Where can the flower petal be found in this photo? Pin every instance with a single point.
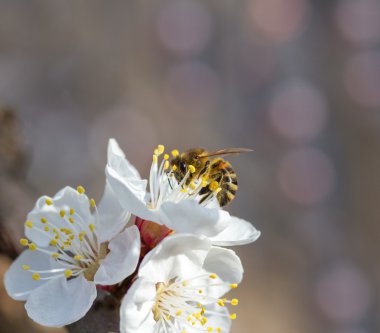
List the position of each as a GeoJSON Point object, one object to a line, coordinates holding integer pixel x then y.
{"type": "Point", "coordinates": [60, 302]}
{"type": "Point", "coordinates": [226, 265]}
{"type": "Point", "coordinates": [18, 282]}
{"type": "Point", "coordinates": [117, 161]}
{"type": "Point", "coordinates": [112, 217]}
{"type": "Point", "coordinates": [238, 232]}
{"type": "Point", "coordinates": [49, 215]}
{"type": "Point", "coordinates": [136, 308]}
{"type": "Point", "coordinates": [180, 255]}
{"type": "Point", "coordinates": [189, 217]}
{"type": "Point", "coordinates": [131, 193]}
{"type": "Point", "coordinates": [122, 259]}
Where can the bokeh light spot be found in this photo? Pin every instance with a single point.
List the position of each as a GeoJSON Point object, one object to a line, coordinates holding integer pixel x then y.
{"type": "Point", "coordinates": [298, 111]}
{"type": "Point", "coordinates": [306, 176]}
{"type": "Point", "coordinates": [184, 27]}
{"type": "Point", "coordinates": [343, 294]}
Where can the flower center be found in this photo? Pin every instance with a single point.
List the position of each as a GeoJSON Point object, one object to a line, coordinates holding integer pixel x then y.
{"type": "Point", "coordinates": [181, 304]}
{"type": "Point", "coordinates": [73, 244]}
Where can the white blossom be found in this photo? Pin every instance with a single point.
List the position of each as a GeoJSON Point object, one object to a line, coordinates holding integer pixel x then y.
{"type": "Point", "coordinates": [171, 203]}
{"type": "Point", "coordinates": [180, 288]}
{"type": "Point", "coordinates": [72, 247]}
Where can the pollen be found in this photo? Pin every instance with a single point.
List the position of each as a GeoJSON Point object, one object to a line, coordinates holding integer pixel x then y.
{"type": "Point", "coordinates": [209, 329]}
{"type": "Point", "coordinates": [92, 203]}
{"type": "Point", "coordinates": [166, 156]}
{"type": "Point", "coordinates": [49, 202]}
{"type": "Point", "coordinates": [53, 242]}
{"type": "Point", "coordinates": [25, 267]}
{"type": "Point", "coordinates": [233, 285]}
{"type": "Point", "coordinates": [91, 227]}
{"type": "Point", "coordinates": [29, 224]}
{"type": "Point", "coordinates": [213, 276]}
{"type": "Point", "coordinates": [62, 213]}
{"type": "Point", "coordinates": [36, 276]}
{"type": "Point", "coordinates": [43, 220]}
{"type": "Point", "coordinates": [68, 273]}
{"type": "Point", "coordinates": [220, 302]}
{"type": "Point", "coordinates": [235, 301]}
{"type": "Point", "coordinates": [155, 159]}
{"type": "Point", "coordinates": [55, 255]}
{"type": "Point", "coordinates": [174, 167]}
{"type": "Point", "coordinates": [204, 183]}
{"type": "Point", "coordinates": [218, 190]}
{"type": "Point", "coordinates": [81, 189]}
{"type": "Point", "coordinates": [78, 257]}
{"type": "Point", "coordinates": [161, 149]}
{"type": "Point", "coordinates": [233, 316]}
{"type": "Point", "coordinates": [46, 228]}
{"type": "Point", "coordinates": [72, 211]}
{"type": "Point", "coordinates": [214, 185]}
{"type": "Point", "coordinates": [219, 329]}
{"type": "Point", "coordinates": [32, 247]}
{"type": "Point", "coordinates": [192, 168]}
{"type": "Point", "coordinates": [178, 313]}
{"type": "Point", "coordinates": [71, 220]}
{"type": "Point", "coordinates": [24, 242]}
{"type": "Point", "coordinates": [166, 165]}
{"type": "Point", "coordinates": [175, 153]}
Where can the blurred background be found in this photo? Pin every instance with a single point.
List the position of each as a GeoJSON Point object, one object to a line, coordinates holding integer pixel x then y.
{"type": "Point", "coordinates": [296, 80]}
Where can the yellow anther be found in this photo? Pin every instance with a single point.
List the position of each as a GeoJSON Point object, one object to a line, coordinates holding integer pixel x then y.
{"type": "Point", "coordinates": [183, 331]}
{"type": "Point", "coordinates": [155, 159]}
{"type": "Point", "coordinates": [53, 242]}
{"type": "Point", "coordinates": [209, 329]}
{"type": "Point", "coordinates": [67, 243]}
{"type": "Point", "coordinates": [235, 301]}
{"type": "Point", "coordinates": [81, 189]}
{"type": "Point", "coordinates": [213, 276]}
{"type": "Point", "coordinates": [68, 273]}
{"type": "Point", "coordinates": [233, 316]}
{"type": "Point", "coordinates": [233, 285]}
{"type": "Point", "coordinates": [200, 291]}
{"type": "Point", "coordinates": [55, 255]}
{"type": "Point", "coordinates": [91, 227]}
{"type": "Point", "coordinates": [49, 202]}
{"type": "Point", "coordinates": [62, 213]}
{"type": "Point", "coordinates": [219, 329]}
{"type": "Point", "coordinates": [189, 318]}
{"type": "Point", "coordinates": [92, 203]}
{"type": "Point", "coordinates": [192, 186]}
{"type": "Point", "coordinates": [36, 276]}
{"type": "Point", "coordinates": [220, 302]}
{"type": "Point", "coordinates": [81, 235]}
{"type": "Point", "coordinates": [175, 153]}
{"type": "Point", "coordinates": [192, 168]}
{"type": "Point", "coordinates": [78, 257]}
{"type": "Point", "coordinates": [32, 247]}
{"type": "Point", "coordinates": [168, 317]}
{"type": "Point", "coordinates": [72, 211]}
{"type": "Point", "coordinates": [25, 267]}
{"type": "Point", "coordinates": [204, 183]}
{"type": "Point", "coordinates": [183, 190]}
{"type": "Point", "coordinates": [193, 323]}
{"type": "Point", "coordinates": [174, 167]}
{"type": "Point", "coordinates": [184, 283]}
{"type": "Point", "coordinates": [71, 220]}
{"type": "Point", "coordinates": [156, 152]}
{"type": "Point", "coordinates": [43, 220]}
{"type": "Point", "coordinates": [166, 156]}
{"type": "Point", "coordinates": [178, 313]}
{"type": "Point", "coordinates": [161, 149]}
{"type": "Point", "coordinates": [29, 224]}
{"type": "Point", "coordinates": [72, 237]}
{"type": "Point", "coordinates": [214, 185]}
{"type": "Point", "coordinates": [199, 305]}
{"type": "Point", "coordinates": [166, 165]}
{"type": "Point", "coordinates": [24, 242]}
{"type": "Point", "coordinates": [46, 228]}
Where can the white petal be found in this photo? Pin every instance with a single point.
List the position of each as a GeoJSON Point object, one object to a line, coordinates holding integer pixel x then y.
{"type": "Point", "coordinates": [189, 217]}
{"type": "Point", "coordinates": [18, 282]}
{"type": "Point", "coordinates": [136, 308]}
{"type": "Point", "coordinates": [66, 199]}
{"type": "Point", "coordinates": [122, 259]}
{"type": "Point", "coordinates": [60, 302]}
{"type": "Point", "coordinates": [238, 232]}
{"type": "Point", "coordinates": [179, 255]}
{"type": "Point", "coordinates": [117, 161]}
{"type": "Point", "coordinates": [112, 217]}
{"type": "Point", "coordinates": [131, 194]}
{"type": "Point", "coordinates": [227, 265]}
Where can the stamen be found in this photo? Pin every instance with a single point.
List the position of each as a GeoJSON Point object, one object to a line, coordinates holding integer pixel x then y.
{"type": "Point", "coordinates": [62, 213]}
{"type": "Point", "coordinates": [81, 189]}
{"type": "Point", "coordinates": [43, 220]}
{"type": "Point", "coordinates": [161, 149]}
{"type": "Point", "coordinates": [192, 168]}
{"type": "Point", "coordinates": [175, 153]}
{"type": "Point", "coordinates": [25, 267]}
{"type": "Point", "coordinates": [29, 224]}
{"type": "Point", "coordinates": [36, 276]}
{"type": "Point", "coordinates": [49, 202]}
{"type": "Point", "coordinates": [24, 242]}
{"type": "Point", "coordinates": [92, 203]}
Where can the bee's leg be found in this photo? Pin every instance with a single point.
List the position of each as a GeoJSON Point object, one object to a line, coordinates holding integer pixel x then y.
{"type": "Point", "coordinates": [204, 170]}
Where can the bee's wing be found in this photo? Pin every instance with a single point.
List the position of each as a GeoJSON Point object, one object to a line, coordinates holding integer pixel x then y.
{"type": "Point", "coordinates": [228, 151]}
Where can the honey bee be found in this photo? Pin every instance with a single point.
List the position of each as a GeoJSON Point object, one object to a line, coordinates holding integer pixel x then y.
{"type": "Point", "coordinates": [217, 172]}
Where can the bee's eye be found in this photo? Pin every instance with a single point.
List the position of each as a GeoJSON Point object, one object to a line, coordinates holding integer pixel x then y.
{"type": "Point", "coordinates": [182, 166]}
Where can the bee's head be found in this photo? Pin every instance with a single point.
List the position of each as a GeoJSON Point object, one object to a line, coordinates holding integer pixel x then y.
{"type": "Point", "coordinates": [179, 167]}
